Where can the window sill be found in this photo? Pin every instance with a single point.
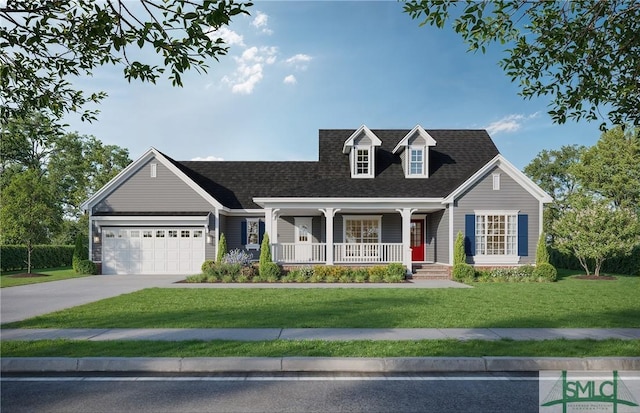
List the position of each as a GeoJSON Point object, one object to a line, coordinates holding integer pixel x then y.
{"type": "Point", "coordinates": [250, 247]}
{"type": "Point", "coordinates": [496, 259]}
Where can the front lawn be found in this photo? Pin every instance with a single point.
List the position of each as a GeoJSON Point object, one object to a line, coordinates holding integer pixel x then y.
{"type": "Point", "coordinates": [316, 348]}
{"type": "Point", "coordinates": [52, 274]}
{"type": "Point", "coordinates": [567, 303]}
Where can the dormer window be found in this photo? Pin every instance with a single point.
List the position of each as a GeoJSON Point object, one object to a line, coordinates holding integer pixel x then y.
{"type": "Point", "coordinates": [361, 147]}
{"type": "Point", "coordinates": [416, 161]}
{"type": "Point", "coordinates": [362, 159]}
{"type": "Point", "coordinates": [414, 152]}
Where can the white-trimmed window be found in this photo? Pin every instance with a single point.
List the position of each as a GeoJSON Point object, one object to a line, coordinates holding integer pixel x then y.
{"type": "Point", "coordinates": [496, 182]}
{"type": "Point", "coordinates": [362, 162]}
{"type": "Point", "coordinates": [253, 232]}
{"type": "Point", "coordinates": [362, 234]}
{"type": "Point", "coordinates": [496, 234]}
{"type": "Point", "coordinates": [416, 162]}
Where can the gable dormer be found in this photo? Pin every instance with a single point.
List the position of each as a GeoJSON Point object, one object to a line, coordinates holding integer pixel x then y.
{"type": "Point", "coordinates": [361, 147]}
{"type": "Point", "coordinates": [414, 152]}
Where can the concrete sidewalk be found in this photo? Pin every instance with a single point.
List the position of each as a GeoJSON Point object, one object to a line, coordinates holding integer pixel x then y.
{"type": "Point", "coordinates": [329, 334]}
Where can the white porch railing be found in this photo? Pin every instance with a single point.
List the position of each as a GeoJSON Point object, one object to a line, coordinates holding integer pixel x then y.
{"type": "Point", "coordinates": [299, 253]}
{"type": "Point", "coordinates": [366, 253]}
{"type": "Point", "coordinates": [342, 253]}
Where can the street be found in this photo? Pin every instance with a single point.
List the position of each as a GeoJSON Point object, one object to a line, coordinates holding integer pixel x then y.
{"type": "Point", "coordinates": [491, 393]}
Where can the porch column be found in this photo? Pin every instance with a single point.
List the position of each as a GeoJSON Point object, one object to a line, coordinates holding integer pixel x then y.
{"type": "Point", "coordinates": [271, 227]}
{"type": "Point", "coordinates": [406, 236]}
{"type": "Point", "coordinates": [329, 213]}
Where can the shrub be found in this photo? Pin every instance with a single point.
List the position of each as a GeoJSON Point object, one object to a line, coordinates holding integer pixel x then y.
{"type": "Point", "coordinates": [265, 250]}
{"type": "Point", "coordinates": [80, 252]}
{"type": "Point", "coordinates": [545, 271]}
{"type": "Point", "coordinates": [463, 272]}
{"type": "Point", "coordinates": [360, 275]}
{"type": "Point", "coordinates": [196, 278]}
{"type": "Point", "coordinates": [270, 272]}
{"type": "Point", "coordinates": [377, 274]}
{"type": "Point", "coordinates": [86, 267]}
{"type": "Point", "coordinates": [14, 257]}
{"type": "Point", "coordinates": [542, 253]}
{"type": "Point", "coordinates": [207, 265]}
{"type": "Point", "coordinates": [459, 255]}
{"type": "Point", "coordinates": [222, 248]}
{"type": "Point", "coordinates": [242, 278]}
{"type": "Point", "coordinates": [237, 256]}
{"type": "Point", "coordinates": [249, 272]}
{"type": "Point", "coordinates": [228, 278]}
{"type": "Point", "coordinates": [395, 273]}
{"type": "Point", "coordinates": [328, 273]}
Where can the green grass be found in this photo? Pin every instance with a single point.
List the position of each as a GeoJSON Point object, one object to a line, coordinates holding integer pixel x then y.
{"type": "Point", "coordinates": [53, 274]}
{"type": "Point", "coordinates": [315, 348]}
{"type": "Point", "coordinates": [567, 303]}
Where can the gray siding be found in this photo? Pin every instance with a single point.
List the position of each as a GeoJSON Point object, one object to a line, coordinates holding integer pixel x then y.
{"type": "Point", "coordinates": [164, 193]}
{"type": "Point", "coordinates": [391, 227]}
{"type": "Point", "coordinates": [210, 247]}
{"type": "Point", "coordinates": [511, 196]}
{"type": "Point", "coordinates": [233, 234]}
{"type": "Point", "coordinates": [438, 236]}
{"type": "Point", "coordinates": [363, 139]}
{"type": "Point", "coordinates": [287, 228]}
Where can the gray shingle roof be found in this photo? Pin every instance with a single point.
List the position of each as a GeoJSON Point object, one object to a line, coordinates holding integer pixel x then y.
{"type": "Point", "coordinates": [458, 154]}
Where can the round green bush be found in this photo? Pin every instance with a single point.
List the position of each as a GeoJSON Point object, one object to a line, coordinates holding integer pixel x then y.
{"type": "Point", "coordinates": [270, 272]}
{"type": "Point", "coordinates": [86, 267]}
{"type": "Point", "coordinates": [546, 271]}
{"type": "Point", "coordinates": [463, 272]}
{"type": "Point", "coordinates": [207, 265]}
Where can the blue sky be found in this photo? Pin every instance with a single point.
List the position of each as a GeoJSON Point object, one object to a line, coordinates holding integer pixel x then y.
{"type": "Point", "coordinates": [295, 67]}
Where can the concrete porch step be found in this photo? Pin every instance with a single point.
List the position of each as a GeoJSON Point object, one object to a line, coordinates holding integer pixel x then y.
{"type": "Point", "coordinates": [431, 272]}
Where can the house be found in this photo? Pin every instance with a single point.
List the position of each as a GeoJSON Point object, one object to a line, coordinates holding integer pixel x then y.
{"type": "Point", "coordinates": [373, 196]}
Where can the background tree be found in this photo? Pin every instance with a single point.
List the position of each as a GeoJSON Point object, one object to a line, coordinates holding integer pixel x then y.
{"type": "Point", "coordinates": [585, 54]}
{"type": "Point", "coordinates": [611, 168]}
{"type": "Point", "coordinates": [72, 167]}
{"type": "Point", "coordinates": [594, 230]}
{"type": "Point", "coordinates": [46, 43]}
{"type": "Point", "coordinates": [552, 170]}
{"type": "Point", "coordinates": [30, 212]}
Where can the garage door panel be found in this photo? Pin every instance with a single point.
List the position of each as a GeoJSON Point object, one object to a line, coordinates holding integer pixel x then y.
{"type": "Point", "coordinates": [152, 250]}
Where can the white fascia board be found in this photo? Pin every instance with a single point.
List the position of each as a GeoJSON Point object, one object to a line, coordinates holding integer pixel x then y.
{"type": "Point", "coordinates": [134, 167]}
{"type": "Point", "coordinates": [510, 170]}
{"type": "Point", "coordinates": [404, 142]}
{"type": "Point", "coordinates": [134, 220]}
{"type": "Point", "coordinates": [348, 144]}
{"type": "Point", "coordinates": [361, 203]}
{"type": "Point", "coordinates": [242, 212]}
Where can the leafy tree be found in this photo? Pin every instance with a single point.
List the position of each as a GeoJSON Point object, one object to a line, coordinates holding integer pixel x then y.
{"type": "Point", "coordinates": [29, 211]}
{"type": "Point", "coordinates": [265, 251]}
{"type": "Point", "coordinates": [46, 43]}
{"type": "Point", "coordinates": [594, 230]}
{"type": "Point", "coordinates": [552, 171]}
{"type": "Point", "coordinates": [583, 53]}
{"type": "Point", "coordinates": [611, 168]}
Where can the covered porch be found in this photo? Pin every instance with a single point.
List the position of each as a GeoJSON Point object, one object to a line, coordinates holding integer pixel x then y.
{"type": "Point", "coordinates": [355, 231]}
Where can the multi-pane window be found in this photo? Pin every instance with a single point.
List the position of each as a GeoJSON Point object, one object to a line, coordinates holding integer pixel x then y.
{"type": "Point", "coordinates": [362, 161]}
{"type": "Point", "coordinates": [416, 162]}
{"type": "Point", "coordinates": [362, 231]}
{"type": "Point", "coordinates": [496, 234]}
{"type": "Point", "coordinates": [173, 233]}
{"type": "Point", "coordinates": [253, 231]}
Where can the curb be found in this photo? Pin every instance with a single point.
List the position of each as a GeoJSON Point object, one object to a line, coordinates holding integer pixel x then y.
{"type": "Point", "coordinates": [311, 364]}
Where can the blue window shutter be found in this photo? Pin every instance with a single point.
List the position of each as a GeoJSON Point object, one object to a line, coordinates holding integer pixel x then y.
{"type": "Point", "coordinates": [470, 234]}
{"type": "Point", "coordinates": [523, 235]}
{"type": "Point", "coordinates": [243, 233]}
{"type": "Point", "coordinates": [260, 231]}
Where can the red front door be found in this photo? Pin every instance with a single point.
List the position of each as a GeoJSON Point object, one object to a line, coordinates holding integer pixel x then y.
{"type": "Point", "coordinates": [417, 240]}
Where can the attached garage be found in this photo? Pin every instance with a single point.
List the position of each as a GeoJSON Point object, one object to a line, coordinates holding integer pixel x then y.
{"type": "Point", "coordinates": [152, 250]}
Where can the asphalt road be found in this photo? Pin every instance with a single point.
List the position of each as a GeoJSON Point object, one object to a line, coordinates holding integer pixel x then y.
{"type": "Point", "coordinates": [426, 393]}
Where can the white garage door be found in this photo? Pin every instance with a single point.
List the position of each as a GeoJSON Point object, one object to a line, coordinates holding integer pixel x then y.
{"type": "Point", "coordinates": [152, 250]}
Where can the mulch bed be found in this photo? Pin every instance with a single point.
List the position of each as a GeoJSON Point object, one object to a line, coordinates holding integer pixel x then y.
{"type": "Point", "coordinates": [593, 277]}
{"type": "Point", "coordinates": [27, 275]}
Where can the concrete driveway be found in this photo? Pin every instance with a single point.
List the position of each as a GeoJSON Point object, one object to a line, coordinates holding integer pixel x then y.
{"type": "Point", "coordinates": [26, 301]}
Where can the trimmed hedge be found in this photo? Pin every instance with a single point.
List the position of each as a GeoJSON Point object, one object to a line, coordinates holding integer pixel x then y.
{"type": "Point", "coordinates": [14, 257]}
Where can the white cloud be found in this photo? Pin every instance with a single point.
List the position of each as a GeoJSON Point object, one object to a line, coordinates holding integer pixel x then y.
{"type": "Point", "coordinates": [208, 158]}
{"type": "Point", "coordinates": [229, 36]}
{"type": "Point", "coordinates": [290, 80]}
{"type": "Point", "coordinates": [249, 71]}
{"type": "Point", "coordinates": [261, 22]}
{"type": "Point", "coordinates": [509, 123]}
{"type": "Point", "coordinates": [299, 61]}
